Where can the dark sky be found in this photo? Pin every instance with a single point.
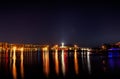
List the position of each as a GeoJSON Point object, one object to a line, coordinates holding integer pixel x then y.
{"type": "Point", "coordinates": [83, 23]}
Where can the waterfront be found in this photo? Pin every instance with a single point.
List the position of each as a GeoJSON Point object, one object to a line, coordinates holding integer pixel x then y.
{"type": "Point", "coordinates": [52, 65]}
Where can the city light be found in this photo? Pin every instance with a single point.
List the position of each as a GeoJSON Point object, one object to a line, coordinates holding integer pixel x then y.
{"type": "Point", "coordinates": [56, 46]}
{"type": "Point", "coordinates": [75, 46]}
{"type": "Point", "coordinates": [62, 44]}
{"type": "Point", "coordinates": [14, 48]}
{"type": "Point", "coordinates": [22, 49]}
{"type": "Point", "coordinates": [45, 49]}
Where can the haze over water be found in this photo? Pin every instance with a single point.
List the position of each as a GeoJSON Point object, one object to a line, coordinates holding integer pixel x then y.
{"type": "Point", "coordinates": [54, 65]}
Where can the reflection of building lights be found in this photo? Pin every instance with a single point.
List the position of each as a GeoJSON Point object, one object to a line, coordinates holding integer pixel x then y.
{"type": "Point", "coordinates": [88, 62]}
{"type": "Point", "coordinates": [63, 62]}
{"type": "Point", "coordinates": [14, 52]}
{"type": "Point", "coordinates": [14, 71]}
{"type": "Point", "coordinates": [21, 65]}
{"type": "Point", "coordinates": [56, 63]}
{"type": "Point", "coordinates": [76, 63]}
{"type": "Point", "coordinates": [56, 50]}
{"type": "Point", "coordinates": [75, 50]}
{"type": "Point", "coordinates": [46, 63]}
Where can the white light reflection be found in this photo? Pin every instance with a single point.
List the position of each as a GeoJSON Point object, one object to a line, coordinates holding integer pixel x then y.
{"type": "Point", "coordinates": [88, 62]}
{"type": "Point", "coordinates": [63, 62]}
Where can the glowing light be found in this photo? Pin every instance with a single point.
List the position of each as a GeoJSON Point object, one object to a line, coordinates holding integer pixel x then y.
{"type": "Point", "coordinates": [14, 48]}
{"type": "Point", "coordinates": [22, 49]}
{"type": "Point", "coordinates": [75, 46]}
{"type": "Point", "coordinates": [21, 65]}
{"type": "Point", "coordinates": [88, 62]}
{"type": "Point", "coordinates": [88, 49]}
{"type": "Point", "coordinates": [113, 54]}
{"type": "Point", "coordinates": [56, 63]}
{"type": "Point", "coordinates": [63, 62]}
{"type": "Point", "coordinates": [76, 63]}
{"type": "Point", "coordinates": [70, 48]}
{"type": "Point", "coordinates": [14, 53]}
{"type": "Point", "coordinates": [75, 50]}
{"type": "Point", "coordinates": [56, 50]}
{"type": "Point", "coordinates": [14, 71]}
{"type": "Point", "coordinates": [56, 46]}
{"type": "Point", "coordinates": [45, 49]}
{"type": "Point", "coordinates": [46, 63]}
{"type": "Point", "coordinates": [62, 44]}
{"type": "Point", "coordinates": [82, 49]}
{"type": "Point", "coordinates": [88, 53]}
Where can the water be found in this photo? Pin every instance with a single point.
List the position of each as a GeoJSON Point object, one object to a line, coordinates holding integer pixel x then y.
{"type": "Point", "coordinates": [57, 65]}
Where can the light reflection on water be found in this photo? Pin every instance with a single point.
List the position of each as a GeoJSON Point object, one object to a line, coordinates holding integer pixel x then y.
{"type": "Point", "coordinates": [88, 62]}
{"type": "Point", "coordinates": [56, 62]}
{"type": "Point", "coordinates": [21, 64]}
{"type": "Point", "coordinates": [36, 61]}
{"type": "Point", "coordinates": [63, 62]}
{"type": "Point", "coordinates": [14, 70]}
{"type": "Point", "coordinates": [76, 63]}
{"type": "Point", "coordinates": [46, 62]}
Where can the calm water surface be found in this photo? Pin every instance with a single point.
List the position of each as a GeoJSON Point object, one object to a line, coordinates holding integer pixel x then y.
{"type": "Point", "coordinates": [57, 65]}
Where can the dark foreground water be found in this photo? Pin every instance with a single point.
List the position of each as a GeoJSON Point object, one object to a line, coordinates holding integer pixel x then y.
{"type": "Point", "coordinates": [57, 65]}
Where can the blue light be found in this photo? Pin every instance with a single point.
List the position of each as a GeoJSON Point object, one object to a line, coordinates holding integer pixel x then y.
{"type": "Point", "coordinates": [113, 54]}
{"type": "Point", "coordinates": [110, 54]}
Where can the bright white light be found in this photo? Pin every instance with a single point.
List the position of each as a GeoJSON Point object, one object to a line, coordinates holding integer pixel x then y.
{"type": "Point", "coordinates": [62, 44]}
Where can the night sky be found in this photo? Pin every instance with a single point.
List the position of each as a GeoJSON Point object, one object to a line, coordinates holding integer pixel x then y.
{"type": "Point", "coordinates": [86, 24]}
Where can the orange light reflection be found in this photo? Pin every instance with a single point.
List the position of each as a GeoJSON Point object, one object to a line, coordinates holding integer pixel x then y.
{"type": "Point", "coordinates": [76, 63]}
{"type": "Point", "coordinates": [14, 71]}
{"type": "Point", "coordinates": [46, 62]}
{"type": "Point", "coordinates": [21, 64]}
{"type": "Point", "coordinates": [56, 62]}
